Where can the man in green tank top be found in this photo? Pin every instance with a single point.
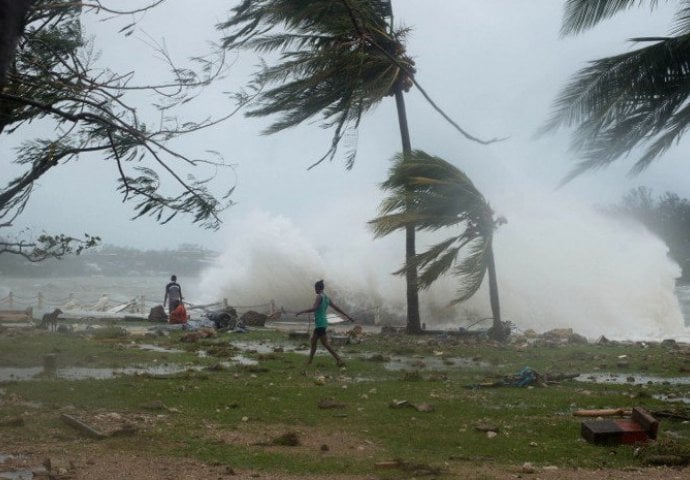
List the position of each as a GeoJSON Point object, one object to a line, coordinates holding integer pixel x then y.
{"type": "Point", "coordinates": [321, 304]}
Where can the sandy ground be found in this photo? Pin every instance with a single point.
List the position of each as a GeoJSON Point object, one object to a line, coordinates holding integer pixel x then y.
{"type": "Point", "coordinates": [90, 460]}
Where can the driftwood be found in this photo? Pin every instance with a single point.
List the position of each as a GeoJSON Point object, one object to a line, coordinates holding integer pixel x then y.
{"type": "Point", "coordinates": [604, 412]}
{"type": "Point", "coordinates": [82, 427]}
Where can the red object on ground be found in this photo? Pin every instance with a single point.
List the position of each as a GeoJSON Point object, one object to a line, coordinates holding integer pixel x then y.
{"type": "Point", "coordinates": [179, 315]}
{"type": "Point", "coordinates": [640, 428]}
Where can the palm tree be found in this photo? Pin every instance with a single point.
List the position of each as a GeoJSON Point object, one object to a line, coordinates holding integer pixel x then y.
{"type": "Point", "coordinates": [428, 193]}
{"type": "Point", "coordinates": [338, 59]}
{"type": "Point", "coordinates": [635, 99]}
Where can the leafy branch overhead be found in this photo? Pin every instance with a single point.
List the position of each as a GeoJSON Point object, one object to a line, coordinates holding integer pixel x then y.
{"type": "Point", "coordinates": [635, 100]}
{"type": "Point", "coordinates": [49, 246]}
{"type": "Point", "coordinates": [55, 76]}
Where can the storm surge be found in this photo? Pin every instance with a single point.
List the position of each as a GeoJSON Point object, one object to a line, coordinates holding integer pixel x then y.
{"type": "Point", "coordinates": [560, 265]}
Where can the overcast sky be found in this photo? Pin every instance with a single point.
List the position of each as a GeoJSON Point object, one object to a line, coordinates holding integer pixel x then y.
{"type": "Point", "coordinates": [495, 66]}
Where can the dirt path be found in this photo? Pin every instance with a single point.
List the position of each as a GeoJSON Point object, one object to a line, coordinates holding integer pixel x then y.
{"type": "Point", "coordinates": [93, 461]}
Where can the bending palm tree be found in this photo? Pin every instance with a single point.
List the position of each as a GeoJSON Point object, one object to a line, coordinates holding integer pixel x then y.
{"type": "Point", "coordinates": [639, 98]}
{"type": "Point", "coordinates": [428, 193]}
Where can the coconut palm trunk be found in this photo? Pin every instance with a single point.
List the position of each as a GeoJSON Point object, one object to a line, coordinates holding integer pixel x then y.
{"type": "Point", "coordinates": [498, 331]}
{"type": "Point", "coordinates": [413, 320]}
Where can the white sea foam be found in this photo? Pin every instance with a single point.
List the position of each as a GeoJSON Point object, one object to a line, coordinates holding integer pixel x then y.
{"type": "Point", "coordinates": [560, 265]}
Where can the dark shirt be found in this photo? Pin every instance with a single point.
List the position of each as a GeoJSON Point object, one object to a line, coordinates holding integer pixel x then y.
{"type": "Point", "coordinates": [173, 291]}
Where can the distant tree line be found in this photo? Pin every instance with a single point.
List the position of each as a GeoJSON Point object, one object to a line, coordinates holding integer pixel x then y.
{"type": "Point", "coordinates": [111, 260]}
{"type": "Point", "coordinates": [668, 216]}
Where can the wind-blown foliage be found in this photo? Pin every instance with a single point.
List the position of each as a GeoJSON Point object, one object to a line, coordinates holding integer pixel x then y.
{"type": "Point", "coordinates": [334, 61]}
{"type": "Point", "coordinates": [667, 216]}
{"type": "Point", "coordinates": [635, 99]}
{"type": "Point", "coordinates": [431, 194]}
{"type": "Point", "coordinates": [54, 77]}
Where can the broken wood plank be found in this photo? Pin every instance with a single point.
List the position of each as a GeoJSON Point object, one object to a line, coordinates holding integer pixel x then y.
{"type": "Point", "coordinates": [603, 412]}
{"type": "Point", "coordinates": [83, 427]}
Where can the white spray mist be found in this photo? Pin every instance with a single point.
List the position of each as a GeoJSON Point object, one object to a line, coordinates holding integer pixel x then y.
{"type": "Point", "coordinates": [560, 265]}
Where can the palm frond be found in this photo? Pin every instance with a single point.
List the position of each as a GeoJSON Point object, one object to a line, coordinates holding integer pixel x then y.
{"type": "Point", "coordinates": [620, 102]}
{"type": "Point", "coordinates": [331, 64]}
{"type": "Point", "coordinates": [472, 270]}
{"type": "Point", "coordinates": [581, 15]}
{"type": "Point", "coordinates": [682, 19]}
{"type": "Point", "coordinates": [429, 193]}
{"type": "Point", "coordinates": [442, 262]}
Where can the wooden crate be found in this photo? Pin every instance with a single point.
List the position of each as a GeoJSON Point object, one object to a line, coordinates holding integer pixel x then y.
{"type": "Point", "coordinates": [640, 428]}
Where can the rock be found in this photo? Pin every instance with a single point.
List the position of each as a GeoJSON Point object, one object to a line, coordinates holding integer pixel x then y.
{"type": "Point", "coordinates": [253, 319]}
{"type": "Point", "coordinates": [577, 339]}
{"type": "Point", "coordinates": [329, 403]}
{"type": "Point", "coordinates": [527, 467]}
{"type": "Point", "coordinates": [154, 405]}
{"type": "Point", "coordinates": [425, 407]}
{"type": "Point", "coordinates": [559, 333]}
{"type": "Point", "coordinates": [157, 314]}
{"type": "Point", "coordinates": [486, 427]}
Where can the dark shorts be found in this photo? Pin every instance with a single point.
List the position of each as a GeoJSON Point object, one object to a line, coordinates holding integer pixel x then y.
{"type": "Point", "coordinates": [319, 332]}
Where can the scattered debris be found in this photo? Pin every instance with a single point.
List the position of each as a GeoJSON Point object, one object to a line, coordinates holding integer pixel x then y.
{"type": "Point", "coordinates": [197, 335]}
{"type": "Point", "coordinates": [421, 407]}
{"type": "Point", "coordinates": [329, 403]}
{"type": "Point", "coordinates": [527, 377]}
{"type": "Point", "coordinates": [253, 319]}
{"type": "Point", "coordinates": [641, 427]}
{"type": "Point", "coordinates": [82, 427]}
{"type": "Point", "coordinates": [289, 439]}
{"type": "Point", "coordinates": [486, 427]}
{"type": "Point", "coordinates": [414, 469]}
{"type": "Point", "coordinates": [604, 412]}
{"type": "Point", "coordinates": [157, 314]}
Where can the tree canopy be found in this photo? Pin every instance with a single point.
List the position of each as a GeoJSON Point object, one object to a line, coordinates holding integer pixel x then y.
{"type": "Point", "coordinates": [431, 194]}
{"type": "Point", "coordinates": [637, 99]}
{"type": "Point", "coordinates": [55, 76]}
{"type": "Point", "coordinates": [337, 60]}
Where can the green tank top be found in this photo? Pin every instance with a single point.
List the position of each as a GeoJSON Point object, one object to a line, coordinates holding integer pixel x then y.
{"type": "Point", "coordinates": [320, 319]}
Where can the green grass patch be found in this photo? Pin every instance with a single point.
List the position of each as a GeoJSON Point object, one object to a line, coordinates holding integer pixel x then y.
{"type": "Point", "coordinates": [399, 398]}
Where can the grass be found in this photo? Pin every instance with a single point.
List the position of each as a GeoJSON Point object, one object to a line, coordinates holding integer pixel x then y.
{"type": "Point", "coordinates": [237, 414]}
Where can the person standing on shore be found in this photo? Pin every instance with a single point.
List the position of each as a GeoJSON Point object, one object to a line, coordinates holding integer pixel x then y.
{"type": "Point", "coordinates": [320, 307]}
{"type": "Point", "coordinates": [173, 294]}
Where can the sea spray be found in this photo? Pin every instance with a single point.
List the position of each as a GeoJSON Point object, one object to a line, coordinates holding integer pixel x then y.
{"type": "Point", "coordinates": [560, 265]}
{"type": "Point", "coordinates": [269, 259]}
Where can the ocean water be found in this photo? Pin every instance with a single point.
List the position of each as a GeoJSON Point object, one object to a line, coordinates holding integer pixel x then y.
{"type": "Point", "coordinates": [45, 294]}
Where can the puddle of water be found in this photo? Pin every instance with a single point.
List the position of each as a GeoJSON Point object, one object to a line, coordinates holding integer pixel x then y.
{"type": "Point", "coordinates": [83, 373]}
{"type": "Point", "coordinates": [672, 398]}
{"type": "Point", "coordinates": [631, 379]}
{"type": "Point", "coordinates": [397, 363]}
{"type": "Point", "coordinates": [242, 360]}
{"type": "Point", "coordinates": [259, 347]}
{"type": "Point", "coordinates": [158, 349]}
